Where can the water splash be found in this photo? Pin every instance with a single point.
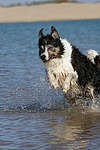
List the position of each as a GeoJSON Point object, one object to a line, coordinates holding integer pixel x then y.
{"type": "Point", "coordinates": [43, 97]}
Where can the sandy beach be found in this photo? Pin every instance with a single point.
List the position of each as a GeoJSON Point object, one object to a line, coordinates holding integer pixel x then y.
{"type": "Point", "coordinates": [50, 12]}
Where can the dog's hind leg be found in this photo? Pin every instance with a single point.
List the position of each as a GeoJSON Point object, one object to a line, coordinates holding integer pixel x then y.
{"type": "Point", "coordinates": [90, 90]}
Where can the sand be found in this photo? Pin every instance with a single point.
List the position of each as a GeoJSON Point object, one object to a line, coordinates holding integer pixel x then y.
{"type": "Point", "coordinates": [50, 12]}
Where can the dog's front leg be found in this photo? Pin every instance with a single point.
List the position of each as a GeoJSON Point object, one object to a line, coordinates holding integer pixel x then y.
{"type": "Point", "coordinates": [67, 82]}
{"type": "Point", "coordinates": [53, 81]}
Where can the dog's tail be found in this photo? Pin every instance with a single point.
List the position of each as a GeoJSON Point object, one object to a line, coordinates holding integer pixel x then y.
{"type": "Point", "coordinates": [94, 56]}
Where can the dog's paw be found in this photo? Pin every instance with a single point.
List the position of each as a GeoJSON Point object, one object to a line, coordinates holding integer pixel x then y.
{"type": "Point", "coordinates": [55, 86]}
{"type": "Point", "coordinates": [65, 88]}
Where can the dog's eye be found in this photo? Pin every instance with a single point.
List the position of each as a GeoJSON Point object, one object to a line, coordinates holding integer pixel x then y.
{"type": "Point", "coordinates": [42, 47]}
{"type": "Point", "coordinates": [51, 49]}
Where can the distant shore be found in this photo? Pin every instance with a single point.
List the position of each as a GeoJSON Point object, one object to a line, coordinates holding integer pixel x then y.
{"type": "Point", "coordinates": [50, 12]}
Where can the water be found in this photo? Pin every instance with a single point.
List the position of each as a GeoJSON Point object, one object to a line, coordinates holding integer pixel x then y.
{"type": "Point", "coordinates": [32, 114]}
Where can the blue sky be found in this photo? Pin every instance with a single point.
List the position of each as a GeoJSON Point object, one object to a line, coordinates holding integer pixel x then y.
{"type": "Point", "coordinates": [9, 2]}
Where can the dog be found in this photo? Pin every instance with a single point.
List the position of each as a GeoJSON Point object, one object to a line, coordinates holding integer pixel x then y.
{"type": "Point", "coordinates": [67, 67]}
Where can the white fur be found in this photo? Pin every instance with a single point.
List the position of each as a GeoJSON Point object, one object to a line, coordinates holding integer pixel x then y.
{"type": "Point", "coordinates": [46, 54]}
{"type": "Point", "coordinates": [60, 71]}
{"type": "Point", "coordinates": [91, 54]}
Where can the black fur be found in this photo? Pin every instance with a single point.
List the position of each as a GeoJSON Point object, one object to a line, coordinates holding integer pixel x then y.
{"type": "Point", "coordinates": [86, 70]}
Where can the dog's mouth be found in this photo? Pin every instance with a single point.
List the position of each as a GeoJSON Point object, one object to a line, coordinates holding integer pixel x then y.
{"type": "Point", "coordinates": [45, 61]}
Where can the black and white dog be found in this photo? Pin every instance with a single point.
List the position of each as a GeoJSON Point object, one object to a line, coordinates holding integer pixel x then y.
{"type": "Point", "coordinates": [67, 67]}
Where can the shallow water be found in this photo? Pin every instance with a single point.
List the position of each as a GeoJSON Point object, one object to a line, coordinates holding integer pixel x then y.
{"type": "Point", "coordinates": [32, 114]}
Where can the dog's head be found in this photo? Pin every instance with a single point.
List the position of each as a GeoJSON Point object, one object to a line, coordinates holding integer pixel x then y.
{"type": "Point", "coordinates": [50, 46]}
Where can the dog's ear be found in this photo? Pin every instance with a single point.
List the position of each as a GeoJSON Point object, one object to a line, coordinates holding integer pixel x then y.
{"type": "Point", "coordinates": [41, 34]}
{"type": "Point", "coordinates": [54, 33]}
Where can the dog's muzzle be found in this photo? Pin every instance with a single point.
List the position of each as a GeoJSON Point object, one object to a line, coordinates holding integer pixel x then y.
{"type": "Point", "coordinates": [43, 57]}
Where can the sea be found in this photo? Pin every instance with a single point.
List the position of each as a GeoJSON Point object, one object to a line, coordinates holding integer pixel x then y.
{"type": "Point", "coordinates": [34, 116]}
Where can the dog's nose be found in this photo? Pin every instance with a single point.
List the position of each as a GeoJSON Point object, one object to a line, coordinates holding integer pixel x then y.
{"type": "Point", "coordinates": [43, 57]}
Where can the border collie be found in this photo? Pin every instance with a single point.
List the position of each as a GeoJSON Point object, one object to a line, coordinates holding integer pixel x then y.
{"type": "Point", "coordinates": [67, 67]}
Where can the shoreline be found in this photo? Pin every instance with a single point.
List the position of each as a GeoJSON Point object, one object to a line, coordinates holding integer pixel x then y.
{"type": "Point", "coordinates": [50, 12]}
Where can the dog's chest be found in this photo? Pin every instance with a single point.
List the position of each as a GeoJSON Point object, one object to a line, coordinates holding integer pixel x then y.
{"type": "Point", "coordinates": [60, 68]}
